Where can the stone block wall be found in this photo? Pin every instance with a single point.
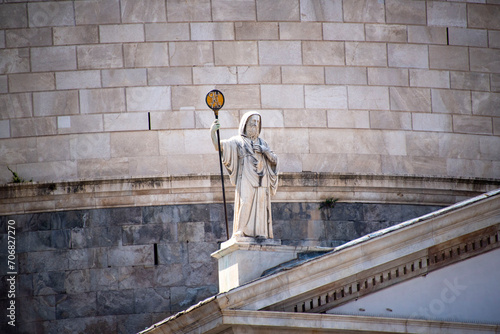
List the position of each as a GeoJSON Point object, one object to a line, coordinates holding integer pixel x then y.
{"type": "Point", "coordinates": [115, 88]}
{"type": "Point", "coordinates": [119, 270]}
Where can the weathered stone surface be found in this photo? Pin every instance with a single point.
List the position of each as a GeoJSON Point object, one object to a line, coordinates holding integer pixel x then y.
{"type": "Point", "coordinates": [451, 101]}
{"type": "Point", "coordinates": [343, 31]}
{"type": "Point", "coordinates": [38, 308]}
{"type": "Point", "coordinates": [469, 81]}
{"type": "Point", "coordinates": [236, 53]}
{"type": "Point", "coordinates": [121, 33]}
{"type": "Point", "coordinates": [227, 10]}
{"type": "Point", "coordinates": [365, 97]}
{"type": "Point", "coordinates": [56, 103]}
{"type": "Point", "coordinates": [53, 58]}
{"type": "Point", "coordinates": [78, 79]}
{"type": "Point", "coordinates": [446, 14]}
{"type": "Point", "coordinates": [325, 96]}
{"type": "Point", "coordinates": [296, 119]}
{"type": "Point", "coordinates": [148, 234]}
{"type": "Point", "coordinates": [13, 16]}
{"type": "Point", "coordinates": [348, 119]}
{"type": "Point", "coordinates": [145, 11]}
{"type": "Point", "coordinates": [182, 11]}
{"type": "Point", "coordinates": [472, 124]}
{"type": "Point", "coordinates": [486, 104]}
{"type": "Point", "coordinates": [99, 56]}
{"type": "Point", "coordinates": [483, 16]}
{"type": "Point", "coordinates": [484, 60]}
{"type": "Point", "coordinates": [4, 129]}
{"type": "Point", "coordinates": [312, 10]}
{"type": "Point", "coordinates": [76, 35]}
{"type": "Point", "coordinates": [4, 85]}
{"type": "Point", "coordinates": [390, 120]}
{"type": "Point", "coordinates": [148, 98]}
{"type": "Point", "coordinates": [135, 277]}
{"type": "Point", "coordinates": [51, 13]}
{"type": "Point", "coordinates": [152, 300]}
{"type": "Point", "coordinates": [365, 54]}
{"type": "Point", "coordinates": [300, 31]}
{"type": "Point", "coordinates": [190, 53]}
{"type": "Point", "coordinates": [77, 281]}
{"type": "Point", "coordinates": [387, 77]}
{"type": "Point", "coordinates": [164, 76]}
{"type": "Point", "coordinates": [215, 75]}
{"type": "Point", "coordinates": [282, 96]}
{"type": "Point", "coordinates": [160, 32]}
{"type": "Point", "coordinates": [457, 146]}
{"type": "Point", "coordinates": [212, 31]}
{"type": "Point", "coordinates": [97, 12]}
{"type": "Point", "coordinates": [115, 302]}
{"type": "Point", "coordinates": [86, 258]}
{"type": "Point", "coordinates": [345, 75]}
{"type": "Point", "coordinates": [386, 33]}
{"type": "Point", "coordinates": [280, 53]}
{"type": "Point", "coordinates": [410, 99]}
{"type": "Point", "coordinates": [90, 325]}
{"type": "Point", "coordinates": [170, 275]}
{"type": "Point", "coordinates": [131, 255]}
{"type": "Point", "coordinates": [405, 12]}
{"type": "Point", "coordinates": [45, 261]}
{"type": "Point", "coordinates": [468, 37]}
{"type": "Point", "coordinates": [323, 53]}
{"type": "Point", "coordinates": [48, 283]}
{"type": "Point", "coordinates": [256, 30]}
{"type": "Point", "coordinates": [427, 35]}
{"type": "Point", "coordinates": [408, 55]}
{"type": "Point", "coordinates": [169, 253]}
{"type": "Point", "coordinates": [425, 78]}
{"type": "Point", "coordinates": [98, 101]}
{"type": "Point", "coordinates": [16, 106]}
{"type": "Point", "coordinates": [191, 231]}
{"type": "Point", "coordinates": [364, 11]}
{"type": "Point", "coordinates": [28, 37]}
{"type": "Point", "coordinates": [259, 74]}
{"type": "Point", "coordinates": [95, 237]}
{"type": "Point", "coordinates": [448, 57]}
{"type": "Point", "coordinates": [30, 82]}
{"type": "Point", "coordinates": [145, 54]}
{"type": "Point", "coordinates": [14, 61]}
{"type": "Point", "coordinates": [278, 10]}
{"type": "Point", "coordinates": [432, 122]}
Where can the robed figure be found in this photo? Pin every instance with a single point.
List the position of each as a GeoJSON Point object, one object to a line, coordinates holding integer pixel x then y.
{"type": "Point", "coordinates": [253, 169]}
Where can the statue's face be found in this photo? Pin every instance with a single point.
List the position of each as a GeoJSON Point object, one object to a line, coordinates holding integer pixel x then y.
{"type": "Point", "coordinates": [253, 126]}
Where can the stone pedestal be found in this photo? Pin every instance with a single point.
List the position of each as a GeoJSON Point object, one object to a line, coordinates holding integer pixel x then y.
{"type": "Point", "coordinates": [242, 260]}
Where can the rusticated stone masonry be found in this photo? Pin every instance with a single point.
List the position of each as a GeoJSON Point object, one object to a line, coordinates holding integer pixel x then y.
{"type": "Point", "coordinates": [122, 269]}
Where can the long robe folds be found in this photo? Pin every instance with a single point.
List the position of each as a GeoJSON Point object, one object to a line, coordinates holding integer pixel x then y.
{"type": "Point", "coordinates": [255, 178]}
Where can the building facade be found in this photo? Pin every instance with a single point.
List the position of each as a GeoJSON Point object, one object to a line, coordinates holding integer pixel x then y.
{"type": "Point", "coordinates": [391, 107]}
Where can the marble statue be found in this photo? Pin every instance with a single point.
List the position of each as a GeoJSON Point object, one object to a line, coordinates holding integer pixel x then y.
{"type": "Point", "coordinates": [253, 169]}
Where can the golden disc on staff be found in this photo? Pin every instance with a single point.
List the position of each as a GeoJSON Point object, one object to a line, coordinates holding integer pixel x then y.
{"type": "Point", "coordinates": [215, 100]}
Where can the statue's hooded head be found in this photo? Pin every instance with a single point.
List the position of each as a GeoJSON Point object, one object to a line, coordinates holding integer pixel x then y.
{"type": "Point", "coordinates": [250, 124]}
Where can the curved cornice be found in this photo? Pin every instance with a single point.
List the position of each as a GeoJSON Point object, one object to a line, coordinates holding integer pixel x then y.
{"type": "Point", "coordinates": [195, 189]}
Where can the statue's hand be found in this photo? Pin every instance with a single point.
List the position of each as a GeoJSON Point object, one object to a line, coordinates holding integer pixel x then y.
{"type": "Point", "coordinates": [215, 126]}
{"type": "Point", "coordinates": [260, 148]}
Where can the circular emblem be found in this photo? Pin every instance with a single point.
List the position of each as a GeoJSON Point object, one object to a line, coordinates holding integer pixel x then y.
{"type": "Point", "coordinates": [215, 99]}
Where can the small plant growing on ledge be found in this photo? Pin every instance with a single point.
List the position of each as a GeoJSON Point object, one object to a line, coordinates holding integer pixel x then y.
{"type": "Point", "coordinates": [326, 205]}
{"type": "Point", "coordinates": [16, 178]}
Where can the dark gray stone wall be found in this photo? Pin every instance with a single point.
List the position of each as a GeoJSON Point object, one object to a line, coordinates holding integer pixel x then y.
{"type": "Point", "coordinates": [123, 269]}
